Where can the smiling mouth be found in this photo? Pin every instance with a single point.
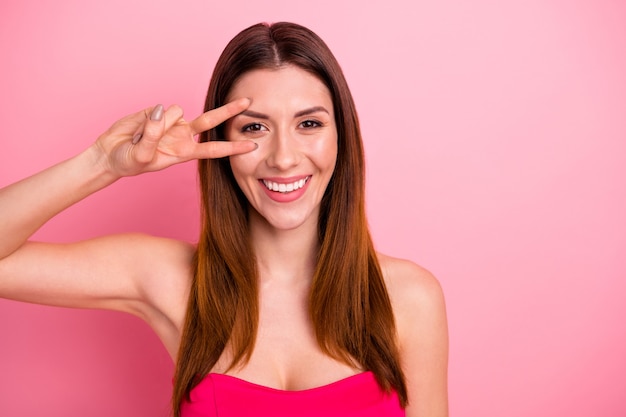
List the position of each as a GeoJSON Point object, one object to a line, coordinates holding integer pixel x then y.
{"type": "Point", "coordinates": [285, 188]}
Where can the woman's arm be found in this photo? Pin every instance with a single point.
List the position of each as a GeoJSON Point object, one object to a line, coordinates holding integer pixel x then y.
{"type": "Point", "coordinates": [115, 272]}
{"type": "Point", "coordinates": [421, 322]}
{"type": "Point", "coordinates": [166, 139]}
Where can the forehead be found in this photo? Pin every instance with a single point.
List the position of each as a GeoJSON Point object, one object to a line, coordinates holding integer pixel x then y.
{"type": "Point", "coordinates": [287, 85]}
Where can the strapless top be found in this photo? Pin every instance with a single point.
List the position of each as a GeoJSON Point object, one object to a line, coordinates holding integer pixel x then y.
{"type": "Point", "coordinates": [219, 395]}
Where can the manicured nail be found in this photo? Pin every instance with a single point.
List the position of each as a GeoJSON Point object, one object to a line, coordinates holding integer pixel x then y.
{"type": "Point", "coordinates": [157, 113]}
{"type": "Point", "coordinates": [137, 138]}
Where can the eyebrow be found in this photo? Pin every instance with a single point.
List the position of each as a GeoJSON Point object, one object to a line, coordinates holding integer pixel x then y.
{"type": "Point", "coordinates": [257, 115]}
{"type": "Point", "coordinates": [311, 111]}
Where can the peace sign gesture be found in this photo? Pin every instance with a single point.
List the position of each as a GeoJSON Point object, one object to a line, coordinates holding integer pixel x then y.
{"type": "Point", "coordinates": [155, 138]}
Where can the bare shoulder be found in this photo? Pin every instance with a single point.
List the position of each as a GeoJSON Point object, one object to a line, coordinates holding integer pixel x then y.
{"type": "Point", "coordinates": [165, 276]}
{"type": "Point", "coordinates": [410, 286]}
{"type": "Point", "coordinates": [163, 280]}
{"type": "Point", "coordinates": [147, 257]}
{"type": "Point", "coordinates": [165, 252]}
{"type": "Point", "coordinates": [419, 309]}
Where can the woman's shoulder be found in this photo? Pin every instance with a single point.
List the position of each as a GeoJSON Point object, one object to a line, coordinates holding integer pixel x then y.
{"type": "Point", "coordinates": [164, 284]}
{"type": "Point", "coordinates": [416, 295]}
{"type": "Point", "coordinates": [421, 324]}
{"type": "Point", "coordinates": [406, 279]}
{"type": "Point", "coordinates": [168, 263]}
{"type": "Point", "coordinates": [168, 250]}
{"type": "Point", "coordinates": [143, 254]}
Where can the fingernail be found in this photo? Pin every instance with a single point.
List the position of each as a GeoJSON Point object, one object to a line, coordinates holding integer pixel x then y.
{"type": "Point", "coordinates": [157, 113]}
{"type": "Point", "coordinates": [137, 138]}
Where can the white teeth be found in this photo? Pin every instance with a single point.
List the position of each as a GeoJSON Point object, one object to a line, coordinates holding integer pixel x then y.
{"type": "Point", "coordinates": [285, 188]}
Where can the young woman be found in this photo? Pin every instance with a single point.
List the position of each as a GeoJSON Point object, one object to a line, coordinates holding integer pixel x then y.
{"type": "Point", "coordinates": [282, 307]}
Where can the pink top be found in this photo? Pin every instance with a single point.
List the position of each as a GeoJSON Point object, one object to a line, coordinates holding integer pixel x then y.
{"type": "Point", "coordinates": [220, 395]}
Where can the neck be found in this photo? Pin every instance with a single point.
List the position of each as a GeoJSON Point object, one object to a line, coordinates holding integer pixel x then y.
{"type": "Point", "coordinates": [284, 255]}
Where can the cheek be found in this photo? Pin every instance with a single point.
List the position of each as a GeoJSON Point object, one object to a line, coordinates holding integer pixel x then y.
{"type": "Point", "coordinates": [326, 155]}
{"type": "Point", "coordinates": [243, 167]}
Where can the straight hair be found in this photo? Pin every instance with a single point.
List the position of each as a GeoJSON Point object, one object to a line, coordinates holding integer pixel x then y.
{"type": "Point", "coordinates": [348, 302]}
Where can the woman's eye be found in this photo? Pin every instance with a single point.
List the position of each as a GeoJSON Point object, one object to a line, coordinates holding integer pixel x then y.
{"type": "Point", "coordinates": [307, 124]}
{"type": "Point", "coordinates": [253, 127]}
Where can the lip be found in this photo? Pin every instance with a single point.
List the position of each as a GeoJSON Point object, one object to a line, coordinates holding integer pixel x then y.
{"type": "Point", "coordinates": [285, 180]}
{"type": "Point", "coordinates": [285, 197]}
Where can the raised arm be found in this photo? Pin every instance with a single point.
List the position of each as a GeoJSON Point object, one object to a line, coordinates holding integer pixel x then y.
{"type": "Point", "coordinates": [149, 140]}
{"type": "Point", "coordinates": [109, 272]}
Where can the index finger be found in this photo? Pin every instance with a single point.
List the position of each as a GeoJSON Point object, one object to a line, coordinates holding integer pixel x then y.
{"type": "Point", "coordinates": [212, 118]}
{"type": "Point", "coordinates": [220, 149]}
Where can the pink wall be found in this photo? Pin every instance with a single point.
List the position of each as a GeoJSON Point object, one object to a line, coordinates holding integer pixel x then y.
{"type": "Point", "coordinates": [496, 143]}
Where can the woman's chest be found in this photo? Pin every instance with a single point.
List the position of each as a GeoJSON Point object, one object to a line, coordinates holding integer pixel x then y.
{"type": "Point", "coordinates": [286, 353]}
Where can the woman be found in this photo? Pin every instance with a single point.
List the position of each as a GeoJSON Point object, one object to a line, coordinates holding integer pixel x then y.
{"type": "Point", "coordinates": [283, 307]}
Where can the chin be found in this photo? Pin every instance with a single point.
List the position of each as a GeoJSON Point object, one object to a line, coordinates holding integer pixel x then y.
{"type": "Point", "coordinates": [289, 221]}
{"type": "Point", "coordinates": [287, 224]}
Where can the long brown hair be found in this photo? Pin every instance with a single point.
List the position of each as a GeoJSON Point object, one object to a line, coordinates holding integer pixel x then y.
{"type": "Point", "coordinates": [348, 302]}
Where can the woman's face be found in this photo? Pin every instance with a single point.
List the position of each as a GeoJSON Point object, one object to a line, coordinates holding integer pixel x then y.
{"type": "Point", "coordinates": [291, 119]}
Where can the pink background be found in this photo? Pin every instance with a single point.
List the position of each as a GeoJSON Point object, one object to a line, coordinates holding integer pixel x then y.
{"type": "Point", "coordinates": [496, 141]}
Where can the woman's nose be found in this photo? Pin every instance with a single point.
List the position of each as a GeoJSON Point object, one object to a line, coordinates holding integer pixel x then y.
{"type": "Point", "coordinates": [283, 153]}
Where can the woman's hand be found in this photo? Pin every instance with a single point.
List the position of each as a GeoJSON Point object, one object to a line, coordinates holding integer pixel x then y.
{"type": "Point", "coordinates": [154, 139]}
